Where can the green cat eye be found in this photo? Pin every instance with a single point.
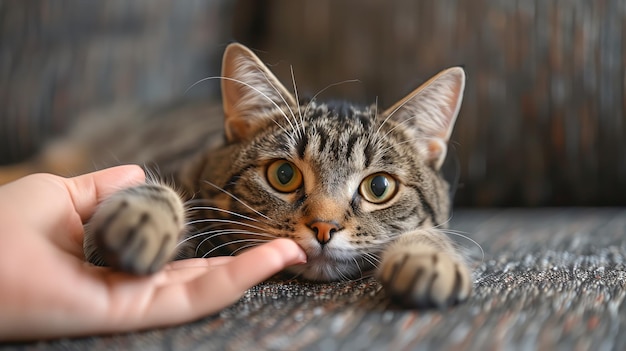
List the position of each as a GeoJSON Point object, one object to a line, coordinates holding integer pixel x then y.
{"type": "Point", "coordinates": [378, 188]}
{"type": "Point", "coordinates": [284, 176]}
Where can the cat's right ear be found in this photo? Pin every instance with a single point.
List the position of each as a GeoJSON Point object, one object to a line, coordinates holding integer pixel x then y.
{"type": "Point", "coordinates": [250, 93]}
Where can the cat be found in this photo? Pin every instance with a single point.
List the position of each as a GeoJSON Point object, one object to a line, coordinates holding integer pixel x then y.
{"type": "Point", "coordinates": [360, 190]}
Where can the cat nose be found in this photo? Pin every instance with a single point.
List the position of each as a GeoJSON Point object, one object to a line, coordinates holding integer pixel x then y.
{"type": "Point", "coordinates": [323, 230]}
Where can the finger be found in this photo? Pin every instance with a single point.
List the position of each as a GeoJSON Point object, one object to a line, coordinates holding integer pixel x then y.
{"type": "Point", "coordinates": [89, 189]}
{"type": "Point", "coordinates": [221, 286]}
{"type": "Point", "coordinates": [199, 262]}
{"type": "Point", "coordinates": [183, 271]}
{"type": "Point", "coordinates": [260, 263]}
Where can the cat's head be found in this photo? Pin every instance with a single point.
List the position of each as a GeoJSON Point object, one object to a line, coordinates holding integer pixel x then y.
{"type": "Point", "coordinates": [341, 180]}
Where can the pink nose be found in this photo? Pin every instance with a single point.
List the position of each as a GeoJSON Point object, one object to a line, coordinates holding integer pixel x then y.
{"type": "Point", "coordinates": [323, 230]}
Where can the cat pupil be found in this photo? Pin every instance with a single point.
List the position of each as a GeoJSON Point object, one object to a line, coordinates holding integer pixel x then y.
{"type": "Point", "coordinates": [284, 173]}
{"type": "Point", "coordinates": [379, 185]}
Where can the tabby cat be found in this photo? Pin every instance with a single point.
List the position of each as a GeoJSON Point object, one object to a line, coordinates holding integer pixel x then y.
{"type": "Point", "coordinates": [358, 189]}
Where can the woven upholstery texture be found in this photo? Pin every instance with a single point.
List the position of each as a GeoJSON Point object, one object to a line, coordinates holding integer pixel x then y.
{"type": "Point", "coordinates": [551, 279]}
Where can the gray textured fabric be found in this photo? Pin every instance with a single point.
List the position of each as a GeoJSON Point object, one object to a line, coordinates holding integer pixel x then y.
{"type": "Point", "coordinates": [550, 279]}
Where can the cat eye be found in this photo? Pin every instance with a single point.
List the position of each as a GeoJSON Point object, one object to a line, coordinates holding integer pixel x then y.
{"type": "Point", "coordinates": [378, 188]}
{"type": "Point", "coordinates": [284, 176]}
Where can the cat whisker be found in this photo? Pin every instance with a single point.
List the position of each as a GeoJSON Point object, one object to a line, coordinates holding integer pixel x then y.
{"type": "Point", "coordinates": [406, 121]}
{"type": "Point", "coordinates": [217, 209]}
{"type": "Point", "coordinates": [295, 90]}
{"type": "Point", "coordinates": [443, 224]}
{"type": "Point", "coordinates": [365, 275]}
{"type": "Point", "coordinates": [227, 232]}
{"type": "Point", "coordinates": [342, 276]}
{"type": "Point", "coordinates": [253, 88]}
{"type": "Point", "coordinates": [466, 237]}
{"type": "Point", "coordinates": [224, 221]}
{"type": "Point", "coordinates": [219, 221]}
{"type": "Point", "coordinates": [326, 88]}
{"type": "Point", "coordinates": [238, 200]}
{"type": "Point", "coordinates": [295, 130]}
{"type": "Point", "coordinates": [191, 205]}
{"type": "Point", "coordinates": [94, 165]}
{"type": "Point", "coordinates": [358, 266]}
{"type": "Point", "coordinates": [371, 259]}
{"type": "Point", "coordinates": [244, 247]}
{"type": "Point", "coordinates": [200, 201]}
{"type": "Point", "coordinates": [297, 274]}
{"type": "Point", "coordinates": [217, 232]}
{"type": "Point", "coordinates": [401, 124]}
{"type": "Point", "coordinates": [411, 97]}
{"type": "Point", "coordinates": [113, 156]}
{"type": "Point", "coordinates": [260, 241]}
{"type": "Point", "coordinates": [376, 108]}
{"type": "Point", "coordinates": [152, 173]}
{"type": "Point", "coordinates": [373, 256]}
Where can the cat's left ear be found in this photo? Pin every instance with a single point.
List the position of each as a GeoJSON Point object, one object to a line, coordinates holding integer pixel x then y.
{"type": "Point", "coordinates": [430, 112]}
{"type": "Point", "coordinates": [250, 93]}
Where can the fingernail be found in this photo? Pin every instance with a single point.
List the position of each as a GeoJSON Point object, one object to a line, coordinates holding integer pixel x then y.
{"type": "Point", "coordinates": [301, 257]}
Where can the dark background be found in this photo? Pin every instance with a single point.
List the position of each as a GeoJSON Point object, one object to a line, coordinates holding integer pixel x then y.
{"type": "Point", "coordinates": [543, 120]}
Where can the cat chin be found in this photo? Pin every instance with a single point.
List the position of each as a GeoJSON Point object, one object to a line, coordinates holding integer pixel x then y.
{"type": "Point", "coordinates": [325, 270]}
{"type": "Point", "coordinates": [333, 262]}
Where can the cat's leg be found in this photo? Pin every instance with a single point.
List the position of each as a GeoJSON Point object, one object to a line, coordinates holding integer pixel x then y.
{"type": "Point", "coordinates": [423, 269]}
{"type": "Point", "coordinates": [136, 230]}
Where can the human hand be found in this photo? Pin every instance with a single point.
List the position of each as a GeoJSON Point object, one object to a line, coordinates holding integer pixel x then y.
{"type": "Point", "coordinates": [47, 289]}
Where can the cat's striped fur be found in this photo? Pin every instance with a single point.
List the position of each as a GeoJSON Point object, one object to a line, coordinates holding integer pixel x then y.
{"type": "Point", "coordinates": [358, 189]}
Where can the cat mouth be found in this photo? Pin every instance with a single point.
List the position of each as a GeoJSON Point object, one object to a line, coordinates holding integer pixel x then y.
{"type": "Point", "coordinates": [326, 265]}
{"type": "Point", "coordinates": [326, 258]}
{"type": "Point", "coordinates": [324, 270]}
{"type": "Point", "coordinates": [325, 254]}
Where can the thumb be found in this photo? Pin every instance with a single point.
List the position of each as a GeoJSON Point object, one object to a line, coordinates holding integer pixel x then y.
{"type": "Point", "coordinates": [90, 189]}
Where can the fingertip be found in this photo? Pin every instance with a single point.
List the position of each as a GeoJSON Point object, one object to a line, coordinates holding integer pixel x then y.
{"type": "Point", "coordinates": [110, 180]}
{"type": "Point", "coordinates": [289, 250]}
{"type": "Point", "coordinates": [127, 175]}
{"type": "Point", "coordinates": [260, 263]}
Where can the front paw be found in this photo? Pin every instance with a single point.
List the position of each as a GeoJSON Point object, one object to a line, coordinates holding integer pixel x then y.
{"type": "Point", "coordinates": [424, 278]}
{"type": "Point", "coordinates": [136, 230]}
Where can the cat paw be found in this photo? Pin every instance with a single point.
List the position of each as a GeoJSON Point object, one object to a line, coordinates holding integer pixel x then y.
{"type": "Point", "coordinates": [424, 278]}
{"type": "Point", "coordinates": [136, 230]}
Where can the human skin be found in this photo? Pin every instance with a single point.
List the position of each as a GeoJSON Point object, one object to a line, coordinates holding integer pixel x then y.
{"type": "Point", "coordinates": [49, 291]}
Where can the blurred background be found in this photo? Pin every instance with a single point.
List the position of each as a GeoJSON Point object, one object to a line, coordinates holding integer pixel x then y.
{"type": "Point", "coordinates": [543, 121]}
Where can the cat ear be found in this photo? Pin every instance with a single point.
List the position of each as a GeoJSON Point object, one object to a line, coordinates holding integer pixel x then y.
{"type": "Point", "coordinates": [249, 92]}
{"type": "Point", "coordinates": [430, 112]}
